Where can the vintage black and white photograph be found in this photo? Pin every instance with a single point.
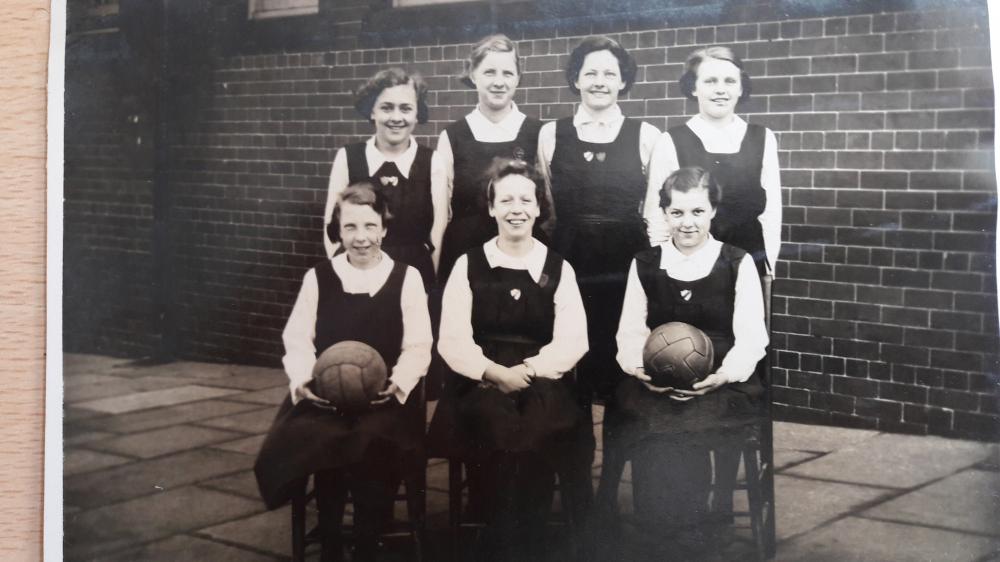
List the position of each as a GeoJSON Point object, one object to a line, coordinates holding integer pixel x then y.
{"type": "Point", "coordinates": [530, 280]}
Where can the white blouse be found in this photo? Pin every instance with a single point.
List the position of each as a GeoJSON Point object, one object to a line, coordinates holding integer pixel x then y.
{"type": "Point", "coordinates": [724, 140]}
{"type": "Point", "coordinates": [569, 331]}
{"type": "Point", "coordinates": [300, 331]}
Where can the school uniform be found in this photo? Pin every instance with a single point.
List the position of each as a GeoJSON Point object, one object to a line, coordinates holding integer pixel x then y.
{"type": "Point", "coordinates": [596, 168]}
{"type": "Point", "coordinates": [465, 150]}
{"type": "Point", "coordinates": [743, 158]}
{"type": "Point", "coordinates": [717, 290]}
{"type": "Point", "coordinates": [386, 308]}
{"type": "Point", "coordinates": [512, 310]}
{"type": "Point", "coordinates": [405, 181]}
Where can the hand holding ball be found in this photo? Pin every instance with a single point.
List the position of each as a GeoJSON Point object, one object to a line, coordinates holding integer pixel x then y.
{"type": "Point", "coordinates": [677, 355]}
{"type": "Point", "coordinates": [350, 375]}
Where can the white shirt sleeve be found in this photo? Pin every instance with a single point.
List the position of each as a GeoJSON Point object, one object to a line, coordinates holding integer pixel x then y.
{"type": "Point", "coordinates": [543, 163]}
{"type": "Point", "coordinates": [770, 219]}
{"type": "Point", "coordinates": [415, 356]}
{"type": "Point", "coordinates": [750, 332]}
{"type": "Point", "coordinates": [663, 162]}
{"type": "Point", "coordinates": [440, 197]}
{"type": "Point", "coordinates": [569, 330]}
{"type": "Point", "coordinates": [299, 335]}
{"type": "Point", "coordinates": [339, 178]}
{"type": "Point", "coordinates": [632, 329]}
{"type": "Point", "coordinates": [455, 339]}
{"type": "Point", "coordinates": [648, 137]}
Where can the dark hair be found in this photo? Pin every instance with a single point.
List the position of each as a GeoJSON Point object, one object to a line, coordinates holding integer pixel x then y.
{"type": "Point", "coordinates": [503, 167]}
{"type": "Point", "coordinates": [695, 59]}
{"type": "Point", "coordinates": [366, 95]}
{"type": "Point", "coordinates": [498, 43]}
{"type": "Point", "coordinates": [592, 44]}
{"type": "Point", "coordinates": [688, 179]}
{"type": "Point", "coordinates": [358, 193]}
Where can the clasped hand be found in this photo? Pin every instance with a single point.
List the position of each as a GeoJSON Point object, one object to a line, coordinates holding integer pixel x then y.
{"type": "Point", "coordinates": [508, 379]}
{"type": "Point", "coordinates": [710, 383]}
{"type": "Point", "coordinates": [303, 392]}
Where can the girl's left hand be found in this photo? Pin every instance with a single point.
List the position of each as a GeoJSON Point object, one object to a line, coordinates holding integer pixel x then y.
{"type": "Point", "coordinates": [710, 383]}
{"type": "Point", "coordinates": [386, 395]}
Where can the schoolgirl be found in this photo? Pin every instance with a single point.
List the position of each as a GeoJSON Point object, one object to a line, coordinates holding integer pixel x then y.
{"type": "Point", "coordinates": [512, 329]}
{"type": "Point", "coordinates": [495, 128]}
{"type": "Point", "coordinates": [398, 167]}
{"type": "Point", "coordinates": [363, 295]}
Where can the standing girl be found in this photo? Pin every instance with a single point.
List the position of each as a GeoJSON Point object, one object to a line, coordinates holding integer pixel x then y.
{"type": "Point", "coordinates": [512, 327]}
{"type": "Point", "coordinates": [495, 128]}
{"type": "Point", "coordinates": [398, 167]}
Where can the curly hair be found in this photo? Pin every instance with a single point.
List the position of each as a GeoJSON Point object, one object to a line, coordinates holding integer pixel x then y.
{"type": "Point", "coordinates": [366, 95]}
{"type": "Point", "coordinates": [503, 167]}
{"type": "Point", "coordinates": [694, 60]}
{"type": "Point", "coordinates": [358, 193]}
{"type": "Point", "coordinates": [498, 43]}
{"type": "Point", "coordinates": [688, 179]}
{"type": "Point", "coordinates": [592, 44]}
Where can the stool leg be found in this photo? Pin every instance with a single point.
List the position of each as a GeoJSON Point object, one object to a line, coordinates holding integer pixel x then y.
{"type": "Point", "coordinates": [767, 488]}
{"type": "Point", "coordinates": [416, 493]}
{"type": "Point", "coordinates": [754, 498]}
{"type": "Point", "coordinates": [299, 527]}
{"type": "Point", "coordinates": [455, 505]}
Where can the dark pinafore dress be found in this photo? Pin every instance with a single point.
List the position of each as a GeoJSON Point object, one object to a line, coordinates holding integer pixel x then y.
{"type": "Point", "coordinates": [303, 438]}
{"type": "Point", "coordinates": [736, 218]}
{"type": "Point", "coordinates": [710, 309]}
{"type": "Point", "coordinates": [598, 189]}
{"type": "Point", "coordinates": [471, 225]}
{"type": "Point", "coordinates": [512, 318]}
{"type": "Point", "coordinates": [409, 200]}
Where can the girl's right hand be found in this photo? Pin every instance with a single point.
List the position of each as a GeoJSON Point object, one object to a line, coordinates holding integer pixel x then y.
{"type": "Point", "coordinates": [507, 379]}
{"type": "Point", "coordinates": [303, 392]}
{"type": "Point", "coordinates": [640, 374]}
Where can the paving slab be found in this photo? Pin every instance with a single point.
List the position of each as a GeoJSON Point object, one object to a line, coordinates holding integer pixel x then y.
{"type": "Point", "coordinates": [269, 531]}
{"type": "Point", "coordinates": [148, 477]}
{"type": "Point", "coordinates": [271, 396]}
{"type": "Point", "coordinates": [819, 438]}
{"type": "Point", "coordinates": [857, 539]}
{"type": "Point", "coordinates": [109, 387]}
{"type": "Point", "coordinates": [190, 369]}
{"type": "Point", "coordinates": [79, 436]}
{"type": "Point", "coordinates": [784, 458]}
{"type": "Point", "coordinates": [967, 501]}
{"type": "Point", "coordinates": [803, 505]}
{"type": "Point", "coordinates": [73, 415]}
{"type": "Point", "coordinates": [79, 461]}
{"type": "Point", "coordinates": [256, 422]}
{"type": "Point", "coordinates": [247, 445]}
{"type": "Point", "coordinates": [186, 547]}
{"type": "Point", "coordinates": [164, 441]}
{"type": "Point", "coordinates": [149, 518]}
{"type": "Point", "coordinates": [77, 363]}
{"type": "Point", "coordinates": [896, 461]}
{"type": "Point", "coordinates": [242, 483]}
{"type": "Point", "coordinates": [154, 399]}
{"type": "Point", "coordinates": [161, 417]}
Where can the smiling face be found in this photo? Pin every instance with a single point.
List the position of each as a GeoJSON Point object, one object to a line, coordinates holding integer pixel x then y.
{"type": "Point", "coordinates": [600, 80]}
{"type": "Point", "coordinates": [717, 88]}
{"type": "Point", "coordinates": [689, 217]}
{"type": "Point", "coordinates": [361, 233]}
{"type": "Point", "coordinates": [395, 116]}
{"type": "Point", "coordinates": [514, 206]}
{"type": "Point", "coordinates": [496, 80]}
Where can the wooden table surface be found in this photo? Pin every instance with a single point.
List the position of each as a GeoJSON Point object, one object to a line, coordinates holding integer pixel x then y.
{"type": "Point", "coordinates": [24, 43]}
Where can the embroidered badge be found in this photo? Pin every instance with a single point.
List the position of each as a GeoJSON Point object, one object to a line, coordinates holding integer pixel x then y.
{"type": "Point", "coordinates": [389, 180]}
{"type": "Point", "coordinates": [601, 156]}
{"type": "Point", "coordinates": [543, 280]}
{"type": "Point", "coordinates": [516, 293]}
{"type": "Point", "coordinates": [519, 153]}
{"type": "Point", "coordinates": [588, 156]}
{"type": "Point", "coordinates": [686, 294]}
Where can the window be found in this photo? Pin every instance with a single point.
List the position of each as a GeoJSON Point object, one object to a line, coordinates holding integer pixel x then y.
{"type": "Point", "coordinates": [263, 9]}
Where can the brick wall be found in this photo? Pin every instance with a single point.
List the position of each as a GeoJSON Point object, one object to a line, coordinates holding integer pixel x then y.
{"type": "Point", "coordinates": [885, 304]}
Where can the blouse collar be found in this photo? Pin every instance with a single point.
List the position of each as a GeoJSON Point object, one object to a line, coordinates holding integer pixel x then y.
{"type": "Point", "coordinates": [533, 261]}
{"type": "Point", "coordinates": [403, 161]}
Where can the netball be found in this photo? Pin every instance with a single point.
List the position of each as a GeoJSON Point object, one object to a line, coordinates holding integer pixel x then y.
{"type": "Point", "coordinates": [349, 374]}
{"type": "Point", "coordinates": [677, 355]}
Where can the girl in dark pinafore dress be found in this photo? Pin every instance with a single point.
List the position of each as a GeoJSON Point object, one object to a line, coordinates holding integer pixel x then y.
{"type": "Point", "coordinates": [696, 279]}
{"type": "Point", "coordinates": [398, 167]}
{"type": "Point", "coordinates": [467, 147]}
{"type": "Point", "coordinates": [512, 327]}
{"type": "Point", "coordinates": [361, 295]}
